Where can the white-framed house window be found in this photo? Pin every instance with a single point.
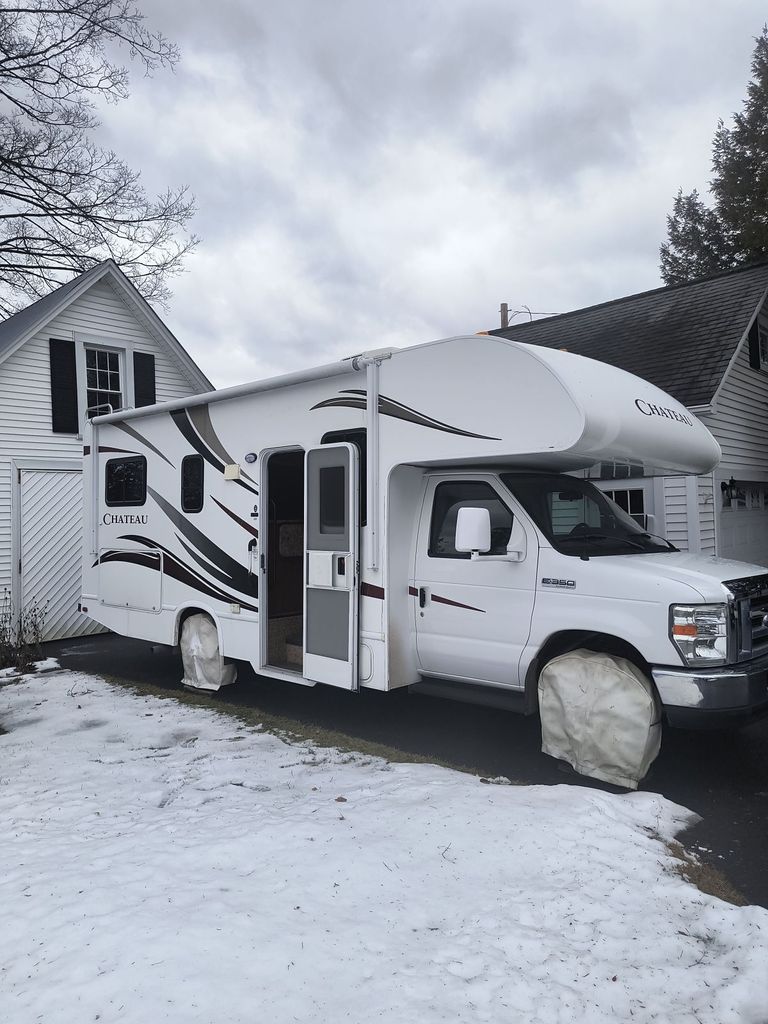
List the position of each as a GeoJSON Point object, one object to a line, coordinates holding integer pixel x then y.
{"type": "Point", "coordinates": [90, 373]}
{"type": "Point", "coordinates": [104, 383]}
{"type": "Point", "coordinates": [104, 375]}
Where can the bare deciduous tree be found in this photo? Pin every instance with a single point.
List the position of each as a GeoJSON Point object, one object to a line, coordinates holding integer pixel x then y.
{"type": "Point", "coordinates": [66, 203]}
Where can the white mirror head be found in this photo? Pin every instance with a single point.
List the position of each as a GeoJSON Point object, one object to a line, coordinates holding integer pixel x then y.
{"type": "Point", "coordinates": [473, 529]}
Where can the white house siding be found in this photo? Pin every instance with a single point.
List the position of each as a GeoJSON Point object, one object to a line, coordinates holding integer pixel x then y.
{"type": "Point", "coordinates": [706, 499]}
{"type": "Point", "coordinates": [676, 511]}
{"type": "Point", "coordinates": [25, 401]}
{"type": "Point", "coordinates": [739, 421]}
{"type": "Point", "coordinates": [5, 524]}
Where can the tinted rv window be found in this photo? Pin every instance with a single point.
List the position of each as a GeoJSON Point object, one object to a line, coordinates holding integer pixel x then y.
{"type": "Point", "coordinates": [358, 439]}
{"type": "Point", "coordinates": [449, 498]}
{"type": "Point", "coordinates": [126, 481]}
{"type": "Point", "coordinates": [332, 494]}
{"type": "Point", "coordinates": [192, 483]}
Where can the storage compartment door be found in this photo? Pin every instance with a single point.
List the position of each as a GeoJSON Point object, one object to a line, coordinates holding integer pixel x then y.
{"type": "Point", "coordinates": [331, 566]}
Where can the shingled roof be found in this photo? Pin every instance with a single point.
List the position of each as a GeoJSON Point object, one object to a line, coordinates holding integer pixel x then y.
{"type": "Point", "coordinates": [680, 338]}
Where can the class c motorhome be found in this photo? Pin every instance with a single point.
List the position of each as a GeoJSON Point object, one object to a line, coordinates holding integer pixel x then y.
{"type": "Point", "coordinates": [420, 517]}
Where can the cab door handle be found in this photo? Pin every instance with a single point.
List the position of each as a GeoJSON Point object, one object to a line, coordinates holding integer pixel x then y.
{"type": "Point", "coordinates": [422, 596]}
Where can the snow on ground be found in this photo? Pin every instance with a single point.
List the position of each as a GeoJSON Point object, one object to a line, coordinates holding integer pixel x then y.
{"type": "Point", "coordinates": [164, 863]}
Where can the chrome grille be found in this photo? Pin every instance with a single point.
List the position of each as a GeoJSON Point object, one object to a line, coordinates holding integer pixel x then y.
{"type": "Point", "coordinates": [751, 594]}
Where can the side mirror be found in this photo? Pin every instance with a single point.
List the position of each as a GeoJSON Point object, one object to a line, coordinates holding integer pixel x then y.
{"type": "Point", "coordinates": [517, 545]}
{"type": "Point", "coordinates": [473, 530]}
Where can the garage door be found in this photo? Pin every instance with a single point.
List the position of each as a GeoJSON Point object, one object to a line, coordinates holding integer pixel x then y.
{"type": "Point", "coordinates": [744, 535]}
{"type": "Point", "coordinates": [51, 526]}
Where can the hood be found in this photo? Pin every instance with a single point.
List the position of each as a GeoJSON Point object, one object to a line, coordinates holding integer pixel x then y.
{"type": "Point", "coordinates": [704, 573]}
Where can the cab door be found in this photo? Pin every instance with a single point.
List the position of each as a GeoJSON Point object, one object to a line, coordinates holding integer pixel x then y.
{"type": "Point", "coordinates": [331, 579]}
{"type": "Point", "coordinates": [473, 617]}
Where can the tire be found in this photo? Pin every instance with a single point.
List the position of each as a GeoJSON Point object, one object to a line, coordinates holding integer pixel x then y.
{"type": "Point", "coordinates": [600, 714]}
{"type": "Point", "coordinates": [204, 667]}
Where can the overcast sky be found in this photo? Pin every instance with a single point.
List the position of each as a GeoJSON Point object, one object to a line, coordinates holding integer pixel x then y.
{"type": "Point", "coordinates": [384, 173]}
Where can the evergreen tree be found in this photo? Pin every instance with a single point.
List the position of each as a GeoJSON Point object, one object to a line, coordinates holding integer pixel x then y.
{"type": "Point", "coordinates": [703, 240]}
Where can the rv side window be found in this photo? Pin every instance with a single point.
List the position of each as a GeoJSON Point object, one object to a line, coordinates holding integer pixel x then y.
{"type": "Point", "coordinates": [449, 498]}
{"type": "Point", "coordinates": [192, 468]}
{"type": "Point", "coordinates": [126, 481]}
{"type": "Point", "coordinates": [357, 438]}
{"type": "Point", "coordinates": [332, 499]}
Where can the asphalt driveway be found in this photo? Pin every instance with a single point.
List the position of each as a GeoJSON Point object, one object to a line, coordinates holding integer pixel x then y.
{"type": "Point", "coordinates": [722, 776]}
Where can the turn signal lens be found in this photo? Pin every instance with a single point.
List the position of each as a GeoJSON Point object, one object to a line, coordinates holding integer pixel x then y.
{"type": "Point", "coordinates": [682, 630]}
{"type": "Point", "coordinates": [700, 632]}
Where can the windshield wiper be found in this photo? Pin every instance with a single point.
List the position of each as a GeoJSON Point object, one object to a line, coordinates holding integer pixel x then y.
{"type": "Point", "coordinates": [584, 536]}
{"type": "Point", "coordinates": [616, 539]}
{"type": "Point", "coordinates": [658, 537]}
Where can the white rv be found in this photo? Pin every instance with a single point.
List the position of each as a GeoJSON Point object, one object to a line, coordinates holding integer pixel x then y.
{"type": "Point", "coordinates": [404, 518]}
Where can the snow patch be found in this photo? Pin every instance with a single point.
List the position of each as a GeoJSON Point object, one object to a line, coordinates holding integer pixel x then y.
{"type": "Point", "coordinates": [159, 862]}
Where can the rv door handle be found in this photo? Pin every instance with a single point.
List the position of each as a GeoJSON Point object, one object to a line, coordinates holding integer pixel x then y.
{"type": "Point", "coordinates": [422, 596]}
{"type": "Point", "coordinates": [341, 565]}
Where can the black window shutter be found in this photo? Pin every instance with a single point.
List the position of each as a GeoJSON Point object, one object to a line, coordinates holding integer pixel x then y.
{"type": "Point", "coordinates": [144, 378]}
{"type": "Point", "coordinates": [64, 417]}
{"type": "Point", "coordinates": [754, 347]}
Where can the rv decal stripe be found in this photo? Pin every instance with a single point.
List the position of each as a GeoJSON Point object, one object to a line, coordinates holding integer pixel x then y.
{"type": "Point", "coordinates": [455, 604]}
{"type": "Point", "coordinates": [149, 559]}
{"type": "Point", "coordinates": [202, 562]}
{"type": "Point", "coordinates": [371, 590]}
{"type": "Point", "coordinates": [239, 577]}
{"type": "Point", "coordinates": [173, 567]}
{"type": "Point", "coordinates": [347, 403]}
{"type": "Point", "coordinates": [142, 440]}
{"type": "Point", "coordinates": [200, 418]}
{"type": "Point", "coordinates": [390, 407]}
{"type": "Point", "coordinates": [187, 429]}
{"type": "Point", "coordinates": [237, 519]}
{"type": "Point", "coordinates": [182, 421]}
{"type": "Point", "coordinates": [413, 592]}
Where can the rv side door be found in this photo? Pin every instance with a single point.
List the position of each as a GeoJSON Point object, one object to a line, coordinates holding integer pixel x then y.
{"type": "Point", "coordinates": [331, 575]}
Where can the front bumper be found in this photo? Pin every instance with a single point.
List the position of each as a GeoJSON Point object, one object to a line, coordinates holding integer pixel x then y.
{"type": "Point", "coordinates": [702, 698]}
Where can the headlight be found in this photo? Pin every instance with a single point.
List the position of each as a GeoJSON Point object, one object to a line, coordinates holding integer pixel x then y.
{"type": "Point", "coordinates": [700, 632]}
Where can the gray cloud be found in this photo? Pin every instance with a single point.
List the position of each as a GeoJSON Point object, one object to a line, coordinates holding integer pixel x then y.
{"type": "Point", "coordinates": [373, 174]}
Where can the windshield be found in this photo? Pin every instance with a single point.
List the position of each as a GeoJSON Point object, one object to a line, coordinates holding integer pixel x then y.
{"type": "Point", "coordinates": [577, 518]}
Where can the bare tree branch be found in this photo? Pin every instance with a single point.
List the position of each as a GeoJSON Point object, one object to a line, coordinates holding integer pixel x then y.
{"type": "Point", "coordinates": [66, 204]}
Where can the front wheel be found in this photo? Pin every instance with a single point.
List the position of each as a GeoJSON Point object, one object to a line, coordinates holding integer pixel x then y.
{"type": "Point", "coordinates": [204, 666]}
{"type": "Point", "coordinates": [601, 715]}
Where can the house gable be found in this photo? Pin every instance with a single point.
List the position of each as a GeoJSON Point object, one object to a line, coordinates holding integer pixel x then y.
{"type": "Point", "coordinates": [19, 328]}
{"type": "Point", "coordinates": [738, 416]}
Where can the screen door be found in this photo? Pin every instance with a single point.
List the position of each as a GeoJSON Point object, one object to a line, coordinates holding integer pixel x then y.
{"type": "Point", "coordinates": [331, 576]}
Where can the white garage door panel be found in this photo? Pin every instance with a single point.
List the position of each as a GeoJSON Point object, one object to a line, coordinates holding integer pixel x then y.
{"type": "Point", "coordinates": [51, 516]}
{"type": "Point", "coordinates": [744, 535]}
